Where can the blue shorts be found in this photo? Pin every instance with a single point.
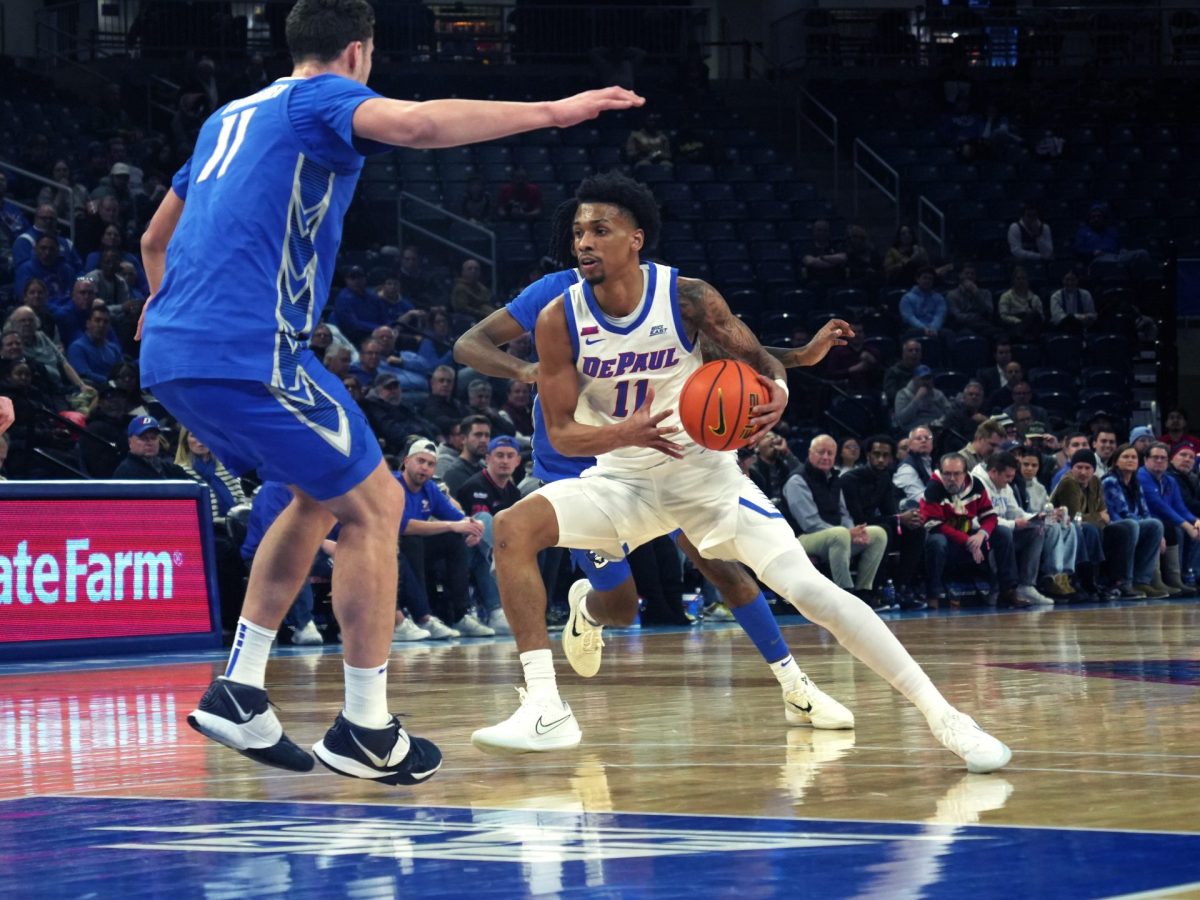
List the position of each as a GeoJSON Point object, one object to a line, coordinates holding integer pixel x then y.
{"type": "Point", "coordinates": [319, 442]}
{"type": "Point", "coordinates": [605, 574]}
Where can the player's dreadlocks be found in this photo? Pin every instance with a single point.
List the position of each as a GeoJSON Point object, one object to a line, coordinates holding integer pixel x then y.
{"type": "Point", "coordinates": [609, 187]}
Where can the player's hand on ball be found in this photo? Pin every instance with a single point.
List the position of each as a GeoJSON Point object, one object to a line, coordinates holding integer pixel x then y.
{"type": "Point", "coordinates": [766, 416]}
{"type": "Point", "coordinates": [643, 429]}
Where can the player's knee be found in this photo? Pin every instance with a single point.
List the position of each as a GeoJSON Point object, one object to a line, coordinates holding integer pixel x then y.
{"type": "Point", "coordinates": [524, 528]}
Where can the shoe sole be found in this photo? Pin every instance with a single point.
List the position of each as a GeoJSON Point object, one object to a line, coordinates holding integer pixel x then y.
{"type": "Point", "coordinates": [350, 768]}
{"type": "Point", "coordinates": [217, 729]}
{"type": "Point", "coordinates": [977, 769]}
{"type": "Point", "coordinates": [498, 749]}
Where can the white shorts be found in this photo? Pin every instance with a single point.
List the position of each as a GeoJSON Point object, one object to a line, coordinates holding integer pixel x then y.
{"type": "Point", "coordinates": [720, 510]}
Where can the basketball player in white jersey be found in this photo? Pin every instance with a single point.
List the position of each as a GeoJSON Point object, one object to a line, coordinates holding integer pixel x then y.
{"type": "Point", "coordinates": [6, 414]}
{"type": "Point", "coordinates": [612, 347]}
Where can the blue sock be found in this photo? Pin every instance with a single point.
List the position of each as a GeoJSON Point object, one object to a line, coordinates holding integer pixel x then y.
{"type": "Point", "coordinates": [758, 622]}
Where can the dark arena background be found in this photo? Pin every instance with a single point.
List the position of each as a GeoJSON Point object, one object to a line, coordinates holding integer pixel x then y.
{"type": "Point", "coordinates": [1002, 198]}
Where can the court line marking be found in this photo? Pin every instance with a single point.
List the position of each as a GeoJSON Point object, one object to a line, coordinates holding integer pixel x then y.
{"type": "Point", "coordinates": [1174, 890]}
{"type": "Point", "coordinates": [419, 805]}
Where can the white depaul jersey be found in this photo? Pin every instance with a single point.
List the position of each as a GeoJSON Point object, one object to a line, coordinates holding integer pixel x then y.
{"type": "Point", "coordinates": [620, 360]}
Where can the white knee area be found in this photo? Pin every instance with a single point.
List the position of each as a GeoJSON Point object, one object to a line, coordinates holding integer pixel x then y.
{"type": "Point", "coordinates": [792, 576]}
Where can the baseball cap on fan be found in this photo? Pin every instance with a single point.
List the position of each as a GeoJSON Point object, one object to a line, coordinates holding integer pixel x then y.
{"type": "Point", "coordinates": [142, 424]}
{"type": "Point", "coordinates": [420, 445]}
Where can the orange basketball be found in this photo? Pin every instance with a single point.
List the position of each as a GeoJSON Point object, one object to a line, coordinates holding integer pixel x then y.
{"type": "Point", "coordinates": [715, 404]}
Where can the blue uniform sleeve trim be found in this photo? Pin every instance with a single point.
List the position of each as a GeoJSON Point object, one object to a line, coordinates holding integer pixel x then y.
{"type": "Point", "coordinates": [572, 327]}
{"type": "Point", "coordinates": [758, 509]}
{"type": "Point", "coordinates": [688, 343]}
{"type": "Point", "coordinates": [605, 322]}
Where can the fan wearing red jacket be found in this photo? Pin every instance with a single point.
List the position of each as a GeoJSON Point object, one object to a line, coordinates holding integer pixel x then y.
{"type": "Point", "coordinates": [960, 527]}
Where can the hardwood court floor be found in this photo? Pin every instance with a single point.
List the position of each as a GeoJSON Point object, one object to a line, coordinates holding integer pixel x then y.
{"type": "Point", "coordinates": [1100, 706]}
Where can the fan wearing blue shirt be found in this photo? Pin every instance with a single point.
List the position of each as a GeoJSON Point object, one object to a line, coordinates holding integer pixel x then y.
{"type": "Point", "coordinates": [608, 596]}
{"type": "Point", "coordinates": [253, 222]}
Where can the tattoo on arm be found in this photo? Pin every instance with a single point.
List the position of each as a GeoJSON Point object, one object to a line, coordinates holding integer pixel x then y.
{"type": "Point", "coordinates": [706, 314]}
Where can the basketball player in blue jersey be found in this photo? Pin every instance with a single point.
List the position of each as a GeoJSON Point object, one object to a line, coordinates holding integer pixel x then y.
{"type": "Point", "coordinates": [240, 255]}
{"type": "Point", "coordinates": [612, 598]}
{"type": "Point", "coordinates": [650, 478]}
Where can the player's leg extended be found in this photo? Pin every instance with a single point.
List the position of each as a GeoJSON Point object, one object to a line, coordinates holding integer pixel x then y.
{"type": "Point", "coordinates": [804, 702]}
{"type": "Point", "coordinates": [367, 741]}
{"type": "Point", "coordinates": [234, 710]}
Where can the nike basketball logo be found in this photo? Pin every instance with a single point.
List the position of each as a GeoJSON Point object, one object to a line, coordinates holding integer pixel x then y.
{"type": "Point", "coordinates": [245, 716]}
{"type": "Point", "coordinates": [574, 632]}
{"type": "Point", "coordinates": [543, 727]}
{"type": "Point", "coordinates": [590, 341]}
{"type": "Point", "coordinates": [804, 709]}
{"type": "Point", "coordinates": [720, 429]}
{"type": "Point", "coordinates": [376, 761]}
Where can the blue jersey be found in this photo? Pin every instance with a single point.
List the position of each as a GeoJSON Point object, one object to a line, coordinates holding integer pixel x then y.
{"type": "Point", "coordinates": [426, 503]}
{"type": "Point", "coordinates": [548, 463]}
{"type": "Point", "coordinates": [250, 262]}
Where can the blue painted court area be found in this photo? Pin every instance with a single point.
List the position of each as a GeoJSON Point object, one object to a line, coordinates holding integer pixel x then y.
{"type": "Point", "coordinates": [129, 848]}
{"type": "Point", "coordinates": [1164, 671]}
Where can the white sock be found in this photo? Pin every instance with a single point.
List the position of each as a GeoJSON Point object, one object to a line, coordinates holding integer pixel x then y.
{"type": "Point", "coordinates": [539, 675]}
{"type": "Point", "coordinates": [248, 658]}
{"type": "Point", "coordinates": [366, 696]}
{"type": "Point", "coordinates": [856, 627]}
{"type": "Point", "coordinates": [786, 672]}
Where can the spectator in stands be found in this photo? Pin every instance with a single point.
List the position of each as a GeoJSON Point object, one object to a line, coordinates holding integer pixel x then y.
{"type": "Point", "coordinates": [649, 145]}
{"type": "Point", "coordinates": [111, 239]}
{"type": "Point", "coordinates": [995, 376]}
{"type": "Point", "coordinates": [479, 400]}
{"type": "Point", "coordinates": [871, 497]}
{"type": "Point", "coordinates": [94, 354]}
{"type": "Point", "coordinates": [863, 264]}
{"type": "Point", "coordinates": [224, 489]}
{"type": "Point", "coordinates": [962, 129]}
{"type": "Point", "coordinates": [519, 198]}
{"type": "Point", "coordinates": [1072, 308]}
{"type": "Point", "coordinates": [71, 316]}
{"type": "Point", "coordinates": [481, 497]}
{"type": "Point", "coordinates": [773, 467]}
{"type": "Point", "coordinates": [904, 259]}
{"type": "Point", "coordinates": [916, 464]}
{"type": "Point", "coordinates": [392, 420]}
{"type": "Point", "coordinates": [961, 528]}
{"type": "Point", "coordinates": [920, 403]}
{"type": "Point", "coordinates": [476, 203]}
{"type": "Point", "coordinates": [1029, 238]}
{"type": "Point", "coordinates": [69, 200]}
{"type": "Point", "coordinates": [37, 298]}
{"type": "Point", "coordinates": [1104, 444]}
{"type": "Point", "coordinates": [437, 343]}
{"type": "Point", "coordinates": [1022, 398]}
{"type": "Point", "coordinates": [1014, 374]}
{"type": "Point", "coordinates": [117, 186]}
{"type": "Point", "coordinates": [855, 363]}
{"type": "Point", "coordinates": [1133, 538]}
{"type": "Point", "coordinates": [900, 374]}
{"type": "Point", "coordinates": [110, 286]}
{"type": "Point", "coordinates": [357, 309]}
{"type": "Point", "coordinates": [441, 403]}
{"type": "Point", "coordinates": [320, 340]}
{"type": "Point", "coordinates": [415, 283]}
{"type": "Point", "coordinates": [1099, 241]}
{"type": "Point", "coordinates": [1181, 527]}
{"type": "Point", "coordinates": [470, 295]}
{"type": "Point", "coordinates": [396, 308]}
{"type": "Point", "coordinates": [969, 306]}
{"type": "Point", "coordinates": [849, 455]}
{"type": "Point", "coordinates": [446, 535]}
{"type": "Point", "coordinates": [1175, 429]}
{"type": "Point", "coordinates": [337, 360]}
{"type": "Point", "coordinates": [923, 309]}
{"type": "Point", "coordinates": [1027, 531]}
{"type": "Point", "coordinates": [1079, 492]}
{"type": "Point", "coordinates": [826, 530]}
{"type": "Point", "coordinates": [371, 365]}
{"type": "Point", "coordinates": [46, 264]}
{"type": "Point", "coordinates": [108, 421]}
{"type": "Point", "coordinates": [518, 408]}
{"type": "Point", "coordinates": [62, 377]}
{"type": "Point", "coordinates": [1059, 538]}
{"type": "Point", "coordinates": [1019, 308]}
{"type": "Point", "coordinates": [824, 262]}
{"type": "Point", "coordinates": [478, 432]}
{"type": "Point", "coordinates": [1141, 438]}
{"type": "Point", "coordinates": [145, 460]}
{"type": "Point", "coordinates": [99, 215]}
{"type": "Point", "coordinates": [45, 221]}
{"type": "Point", "coordinates": [989, 435]}
{"type": "Point", "coordinates": [967, 413]}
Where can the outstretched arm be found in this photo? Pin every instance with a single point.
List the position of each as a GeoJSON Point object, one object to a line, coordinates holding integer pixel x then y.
{"type": "Point", "coordinates": [558, 390]}
{"type": "Point", "coordinates": [832, 334]}
{"type": "Point", "coordinates": [451, 123]}
{"type": "Point", "coordinates": [706, 314]}
{"type": "Point", "coordinates": [480, 349]}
